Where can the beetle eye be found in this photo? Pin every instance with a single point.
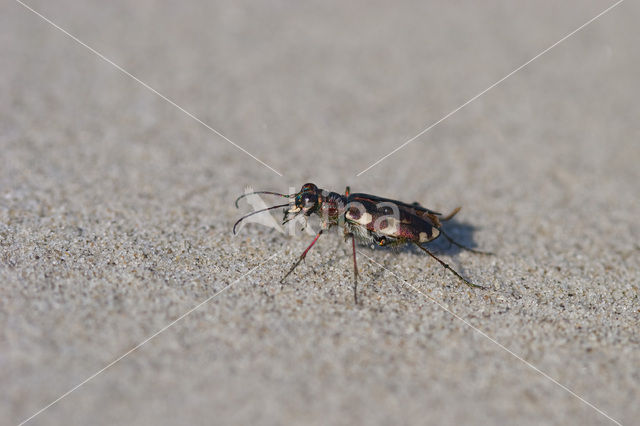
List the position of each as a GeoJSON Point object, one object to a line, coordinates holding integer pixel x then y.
{"type": "Point", "coordinates": [309, 187]}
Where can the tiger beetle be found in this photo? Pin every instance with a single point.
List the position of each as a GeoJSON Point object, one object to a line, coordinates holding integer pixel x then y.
{"type": "Point", "coordinates": [368, 218]}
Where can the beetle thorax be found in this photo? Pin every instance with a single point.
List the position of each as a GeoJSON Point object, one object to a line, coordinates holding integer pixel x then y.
{"type": "Point", "coordinates": [331, 207]}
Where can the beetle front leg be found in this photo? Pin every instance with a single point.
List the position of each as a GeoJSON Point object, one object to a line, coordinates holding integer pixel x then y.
{"type": "Point", "coordinates": [302, 256]}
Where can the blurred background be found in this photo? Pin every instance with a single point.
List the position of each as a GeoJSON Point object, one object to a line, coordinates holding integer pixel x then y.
{"type": "Point", "coordinates": [116, 210]}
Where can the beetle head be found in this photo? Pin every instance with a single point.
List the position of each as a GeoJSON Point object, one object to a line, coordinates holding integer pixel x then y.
{"type": "Point", "coordinates": [305, 202]}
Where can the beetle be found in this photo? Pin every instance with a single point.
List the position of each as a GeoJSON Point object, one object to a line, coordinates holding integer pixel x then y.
{"type": "Point", "coordinates": [367, 218]}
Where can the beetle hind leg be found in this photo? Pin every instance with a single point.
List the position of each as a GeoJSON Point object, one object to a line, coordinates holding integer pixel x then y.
{"type": "Point", "coordinates": [451, 215]}
{"type": "Point", "coordinates": [446, 266]}
{"type": "Point", "coordinates": [462, 246]}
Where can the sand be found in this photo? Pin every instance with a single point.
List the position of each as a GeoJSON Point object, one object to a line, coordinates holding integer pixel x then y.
{"type": "Point", "coordinates": [116, 211]}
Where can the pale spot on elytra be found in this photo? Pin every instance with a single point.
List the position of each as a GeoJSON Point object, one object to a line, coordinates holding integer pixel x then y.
{"type": "Point", "coordinates": [365, 219]}
{"type": "Point", "coordinates": [424, 237]}
{"type": "Point", "coordinates": [389, 226]}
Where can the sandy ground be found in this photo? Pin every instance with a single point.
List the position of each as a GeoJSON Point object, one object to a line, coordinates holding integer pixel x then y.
{"type": "Point", "coordinates": [116, 211]}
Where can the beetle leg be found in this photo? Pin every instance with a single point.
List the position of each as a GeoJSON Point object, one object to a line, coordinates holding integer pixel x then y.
{"type": "Point", "coordinates": [462, 246]}
{"type": "Point", "coordinates": [451, 215]}
{"type": "Point", "coordinates": [302, 256]}
{"type": "Point", "coordinates": [355, 270]}
{"type": "Point", "coordinates": [467, 282]}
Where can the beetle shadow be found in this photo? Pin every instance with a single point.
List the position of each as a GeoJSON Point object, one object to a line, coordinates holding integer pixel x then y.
{"type": "Point", "coordinates": [460, 232]}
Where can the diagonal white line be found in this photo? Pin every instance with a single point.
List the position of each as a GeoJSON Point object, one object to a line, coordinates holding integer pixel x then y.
{"type": "Point", "coordinates": [482, 333]}
{"type": "Point", "coordinates": [136, 347]}
{"type": "Point", "coordinates": [425, 130]}
{"type": "Point", "coordinates": [119, 68]}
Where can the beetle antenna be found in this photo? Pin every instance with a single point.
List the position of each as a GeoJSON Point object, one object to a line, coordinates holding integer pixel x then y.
{"type": "Point", "coordinates": [256, 212]}
{"type": "Point", "coordinates": [264, 192]}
